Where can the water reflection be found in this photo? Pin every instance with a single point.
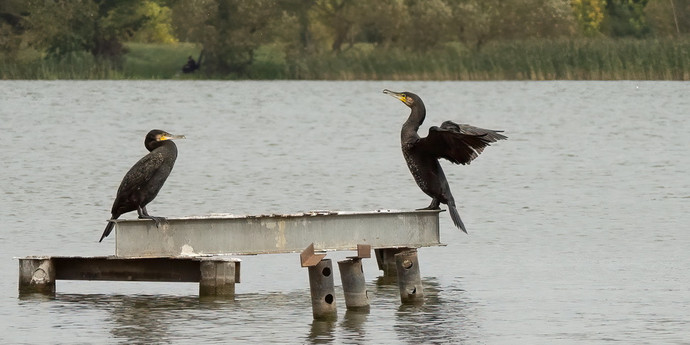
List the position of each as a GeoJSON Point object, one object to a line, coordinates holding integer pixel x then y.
{"type": "Point", "coordinates": [354, 323]}
{"type": "Point", "coordinates": [35, 297]}
{"type": "Point", "coordinates": [322, 332]}
{"type": "Point", "coordinates": [386, 280]}
{"type": "Point", "coordinates": [438, 320]}
{"type": "Point", "coordinates": [137, 319]}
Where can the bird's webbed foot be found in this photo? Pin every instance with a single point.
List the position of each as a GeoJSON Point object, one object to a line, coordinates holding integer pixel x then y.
{"type": "Point", "coordinates": [157, 220]}
{"type": "Point", "coordinates": [144, 214]}
{"type": "Point", "coordinates": [433, 206]}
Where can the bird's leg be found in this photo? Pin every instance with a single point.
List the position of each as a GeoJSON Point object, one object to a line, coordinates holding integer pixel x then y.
{"type": "Point", "coordinates": [144, 214]}
{"type": "Point", "coordinates": [433, 206]}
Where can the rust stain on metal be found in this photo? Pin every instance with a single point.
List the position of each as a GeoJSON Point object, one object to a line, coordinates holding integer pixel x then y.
{"type": "Point", "coordinates": [308, 258]}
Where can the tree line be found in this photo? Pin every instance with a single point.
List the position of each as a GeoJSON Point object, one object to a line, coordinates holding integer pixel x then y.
{"type": "Point", "coordinates": [230, 32]}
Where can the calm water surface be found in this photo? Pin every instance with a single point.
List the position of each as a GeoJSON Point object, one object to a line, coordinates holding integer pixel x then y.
{"type": "Point", "coordinates": [578, 223]}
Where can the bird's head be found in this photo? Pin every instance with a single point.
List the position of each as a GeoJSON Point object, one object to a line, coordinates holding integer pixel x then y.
{"type": "Point", "coordinates": [156, 136]}
{"type": "Point", "coordinates": [409, 98]}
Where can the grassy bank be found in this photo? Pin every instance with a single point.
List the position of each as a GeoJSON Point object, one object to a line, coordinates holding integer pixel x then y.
{"type": "Point", "coordinates": [582, 59]}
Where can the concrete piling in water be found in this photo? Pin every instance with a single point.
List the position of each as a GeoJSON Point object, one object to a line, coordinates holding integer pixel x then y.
{"type": "Point", "coordinates": [385, 257]}
{"type": "Point", "coordinates": [36, 275]}
{"type": "Point", "coordinates": [218, 278]}
{"type": "Point", "coordinates": [322, 290]}
{"type": "Point", "coordinates": [352, 276]}
{"type": "Point", "coordinates": [409, 277]}
{"type": "Point", "coordinates": [354, 284]}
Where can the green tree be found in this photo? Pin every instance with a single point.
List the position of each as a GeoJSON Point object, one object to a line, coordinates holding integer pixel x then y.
{"type": "Point", "coordinates": [625, 18]}
{"type": "Point", "coordinates": [383, 22]}
{"type": "Point", "coordinates": [427, 24]}
{"type": "Point", "coordinates": [589, 15]}
{"type": "Point", "coordinates": [12, 27]}
{"type": "Point", "coordinates": [230, 31]}
{"type": "Point", "coordinates": [479, 21]}
{"type": "Point", "coordinates": [668, 17]}
{"type": "Point", "coordinates": [157, 26]}
{"type": "Point", "coordinates": [61, 27]}
{"type": "Point", "coordinates": [337, 17]}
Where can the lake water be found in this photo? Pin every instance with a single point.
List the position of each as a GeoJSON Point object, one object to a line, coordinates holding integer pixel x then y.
{"type": "Point", "coordinates": [578, 223]}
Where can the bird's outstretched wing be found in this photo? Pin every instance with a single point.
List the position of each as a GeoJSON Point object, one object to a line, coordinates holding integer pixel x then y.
{"type": "Point", "coordinates": [489, 134]}
{"type": "Point", "coordinates": [459, 144]}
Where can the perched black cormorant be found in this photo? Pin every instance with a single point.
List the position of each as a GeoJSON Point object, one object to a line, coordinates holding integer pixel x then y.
{"type": "Point", "coordinates": [458, 143]}
{"type": "Point", "coordinates": [144, 180]}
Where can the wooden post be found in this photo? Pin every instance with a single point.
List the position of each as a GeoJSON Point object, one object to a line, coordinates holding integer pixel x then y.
{"type": "Point", "coordinates": [385, 257]}
{"type": "Point", "coordinates": [409, 278]}
{"type": "Point", "coordinates": [218, 277]}
{"type": "Point", "coordinates": [322, 290]}
{"type": "Point", "coordinates": [354, 285]}
{"type": "Point", "coordinates": [36, 275]}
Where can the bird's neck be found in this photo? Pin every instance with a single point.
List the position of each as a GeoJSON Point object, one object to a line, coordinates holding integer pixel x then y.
{"type": "Point", "coordinates": [415, 119]}
{"type": "Point", "coordinates": [156, 144]}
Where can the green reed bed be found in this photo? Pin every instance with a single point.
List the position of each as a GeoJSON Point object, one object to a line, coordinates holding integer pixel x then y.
{"type": "Point", "coordinates": [601, 59]}
{"type": "Point", "coordinates": [75, 66]}
{"type": "Point", "coordinates": [142, 61]}
{"type": "Point", "coordinates": [576, 59]}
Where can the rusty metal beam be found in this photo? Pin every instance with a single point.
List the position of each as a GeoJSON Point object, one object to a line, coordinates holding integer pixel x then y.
{"type": "Point", "coordinates": [287, 233]}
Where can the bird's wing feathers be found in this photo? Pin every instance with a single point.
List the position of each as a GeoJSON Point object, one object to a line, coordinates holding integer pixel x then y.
{"type": "Point", "coordinates": [141, 172]}
{"type": "Point", "coordinates": [459, 144]}
{"type": "Point", "coordinates": [489, 134]}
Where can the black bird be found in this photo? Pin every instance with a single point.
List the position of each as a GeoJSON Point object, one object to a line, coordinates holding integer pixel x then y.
{"type": "Point", "coordinates": [458, 143]}
{"type": "Point", "coordinates": [144, 180]}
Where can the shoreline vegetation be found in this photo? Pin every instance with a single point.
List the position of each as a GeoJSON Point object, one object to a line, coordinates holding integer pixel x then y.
{"type": "Point", "coordinates": [546, 59]}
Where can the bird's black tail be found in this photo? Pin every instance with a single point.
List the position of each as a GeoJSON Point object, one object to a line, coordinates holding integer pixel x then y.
{"type": "Point", "coordinates": [455, 216]}
{"type": "Point", "coordinates": [108, 229]}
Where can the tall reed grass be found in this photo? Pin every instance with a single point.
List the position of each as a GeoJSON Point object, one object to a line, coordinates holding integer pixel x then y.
{"type": "Point", "coordinates": [576, 59]}
{"type": "Point", "coordinates": [143, 61]}
{"type": "Point", "coordinates": [516, 60]}
{"type": "Point", "coordinates": [74, 66]}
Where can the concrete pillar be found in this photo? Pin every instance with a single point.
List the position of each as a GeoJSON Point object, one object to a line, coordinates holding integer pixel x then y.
{"type": "Point", "coordinates": [409, 278]}
{"type": "Point", "coordinates": [36, 275]}
{"type": "Point", "coordinates": [322, 290]}
{"type": "Point", "coordinates": [218, 278]}
{"type": "Point", "coordinates": [354, 285]}
{"type": "Point", "coordinates": [385, 257]}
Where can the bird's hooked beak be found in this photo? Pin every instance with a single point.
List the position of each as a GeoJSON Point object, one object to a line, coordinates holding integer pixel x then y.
{"type": "Point", "coordinates": [399, 95]}
{"type": "Point", "coordinates": [168, 136]}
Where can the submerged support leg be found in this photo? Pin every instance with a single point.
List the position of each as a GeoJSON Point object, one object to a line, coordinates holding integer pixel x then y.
{"type": "Point", "coordinates": [322, 290]}
{"type": "Point", "coordinates": [36, 276]}
{"type": "Point", "coordinates": [409, 278]}
{"type": "Point", "coordinates": [385, 257]}
{"type": "Point", "coordinates": [218, 277]}
{"type": "Point", "coordinates": [354, 285]}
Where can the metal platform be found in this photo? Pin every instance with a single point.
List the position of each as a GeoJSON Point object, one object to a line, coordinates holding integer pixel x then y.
{"type": "Point", "coordinates": [285, 233]}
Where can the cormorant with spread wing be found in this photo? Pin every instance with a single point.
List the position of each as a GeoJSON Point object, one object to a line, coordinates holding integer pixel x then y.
{"type": "Point", "coordinates": [144, 180]}
{"type": "Point", "coordinates": [458, 143]}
